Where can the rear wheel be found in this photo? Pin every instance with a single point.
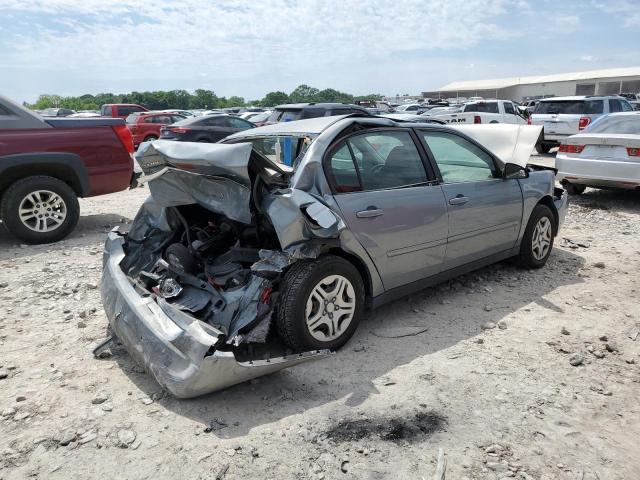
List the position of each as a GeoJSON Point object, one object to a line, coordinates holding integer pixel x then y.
{"type": "Point", "coordinates": [574, 188]}
{"type": "Point", "coordinates": [150, 138]}
{"type": "Point", "coordinates": [537, 241]}
{"type": "Point", "coordinates": [320, 304]}
{"type": "Point", "coordinates": [40, 209]}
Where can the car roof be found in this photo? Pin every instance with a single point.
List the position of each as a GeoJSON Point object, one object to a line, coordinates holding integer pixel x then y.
{"type": "Point", "coordinates": [320, 105]}
{"type": "Point", "coordinates": [315, 126]}
{"type": "Point", "coordinates": [578, 97]}
{"type": "Point", "coordinates": [623, 114]}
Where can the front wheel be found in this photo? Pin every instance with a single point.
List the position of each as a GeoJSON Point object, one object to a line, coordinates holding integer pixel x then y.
{"type": "Point", "coordinates": [537, 241]}
{"type": "Point", "coordinates": [40, 209]}
{"type": "Point", "coordinates": [320, 305]}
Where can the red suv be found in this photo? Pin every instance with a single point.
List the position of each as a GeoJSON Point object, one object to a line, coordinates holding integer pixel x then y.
{"type": "Point", "coordinates": [120, 110]}
{"type": "Point", "coordinates": [146, 126]}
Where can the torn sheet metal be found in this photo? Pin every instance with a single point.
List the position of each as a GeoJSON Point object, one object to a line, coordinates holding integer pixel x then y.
{"type": "Point", "coordinates": [177, 349]}
{"type": "Point", "coordinates": [172, 187]}
{"type": "Point", "coordinates": [298, 216]}
{"type": "Point", "coordinates": [216, 159]}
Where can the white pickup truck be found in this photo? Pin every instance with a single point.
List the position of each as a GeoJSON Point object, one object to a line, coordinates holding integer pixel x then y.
{"type": "Point", "coordinates": [484, 111]}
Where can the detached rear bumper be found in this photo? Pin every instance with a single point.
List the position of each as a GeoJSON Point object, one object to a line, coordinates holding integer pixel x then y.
{"type": "Point", "coordinates": [175, 348]}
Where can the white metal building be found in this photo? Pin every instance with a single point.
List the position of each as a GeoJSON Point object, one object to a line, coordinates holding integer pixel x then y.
{"type": "Point", "coordinates": [593, 82]}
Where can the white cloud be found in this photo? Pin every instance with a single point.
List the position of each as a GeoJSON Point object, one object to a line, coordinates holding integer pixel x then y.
{"type": "Point", "coordinates": [627, 11]}
{"type": "Point", "coordinates": [565, 23]}
{"type": "Point", "coordinates": [132, 41]}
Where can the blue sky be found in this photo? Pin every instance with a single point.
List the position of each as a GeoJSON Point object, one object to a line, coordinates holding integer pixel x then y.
{"type": "Point", "coordinates": [247, 48]}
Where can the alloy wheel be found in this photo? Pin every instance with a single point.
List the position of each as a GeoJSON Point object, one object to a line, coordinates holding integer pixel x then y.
{"type": "Point", "coordinates": [42, 211]}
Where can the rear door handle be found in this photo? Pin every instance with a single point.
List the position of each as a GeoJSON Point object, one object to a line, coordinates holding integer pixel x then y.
{"type": "Point", "coordinates": [459, 200]}
{"type": "Point", "coordinates": [370, 212]}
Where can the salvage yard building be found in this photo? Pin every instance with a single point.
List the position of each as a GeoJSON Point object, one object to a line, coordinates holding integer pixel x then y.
{"type": "Point", "coordinates": [593, 82]}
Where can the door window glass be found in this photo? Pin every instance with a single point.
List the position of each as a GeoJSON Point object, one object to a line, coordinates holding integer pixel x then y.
{"type": "Point", "coordinates": [381, 160]}
{"type": "Point", "coordinates": [614, 106]}
{"type": "Point", "coordinates": [508, 108]}
{"type": "Point", "coordinates": [239, 123]}
{"type": "Point", "coordinates": [343, 171]}
{"type": "Point", "coordinates": [458, 159]}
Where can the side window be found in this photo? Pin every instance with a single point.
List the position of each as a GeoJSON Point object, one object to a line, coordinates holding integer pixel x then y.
{"type": "Point", "coordinates": [343, 172]}
{"type": "Point", "coordinates": [4, 112]}
{"type": "Point", "coordinates": [458, 159]}
{"type": "Point", "coordinates": [614, 105]}
{"type": "Point", "coordinates": [626, 106]}
{"type": "Point", "coordinates": [106, 111]}
{"type": "Point", "coordinates": [381, 160]}
{"type": "Point", "coordinates": [238, 123]}
{"type": "Point", "coordinates": [508, 108]}
{"type": "Point", "coordinates": [215, 122]}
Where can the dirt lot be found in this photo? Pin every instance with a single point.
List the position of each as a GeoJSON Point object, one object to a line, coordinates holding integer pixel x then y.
{"type": "Point", "coordinates": [489, 380]}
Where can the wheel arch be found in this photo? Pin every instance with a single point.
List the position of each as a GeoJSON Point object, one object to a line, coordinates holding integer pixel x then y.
{"type": "Point", "coordinates": [548, 202]}
{"type": "Point", "coordinates": [64, 166]}
{"type": "Point", "coordinates": [359, 265]}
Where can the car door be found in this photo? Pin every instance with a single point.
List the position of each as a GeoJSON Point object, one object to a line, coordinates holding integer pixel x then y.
{"type": "Point", "coordinates": [216, 128]}
{"type": "Point", "coordinates": [390, 204]}
{"type": "Point", "coordinates": [485, 210]}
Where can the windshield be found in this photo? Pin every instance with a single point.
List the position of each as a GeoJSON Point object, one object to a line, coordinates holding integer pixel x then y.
{"type": "Point", "coordinates": [623, 124]}
{"type": "Point", "coordinates": [571, 107]}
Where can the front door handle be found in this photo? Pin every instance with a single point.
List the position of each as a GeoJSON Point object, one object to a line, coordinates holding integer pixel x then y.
{"type": "Point", "coordinates": [458, 200]}
{"type": "Point", "coordinates": [370, 212]}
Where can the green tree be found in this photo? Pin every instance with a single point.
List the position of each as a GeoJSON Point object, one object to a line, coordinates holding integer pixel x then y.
{"type": "Point", "coordinates": [303, 93]}
{"type": "Point", "coordinates": [272, 99]}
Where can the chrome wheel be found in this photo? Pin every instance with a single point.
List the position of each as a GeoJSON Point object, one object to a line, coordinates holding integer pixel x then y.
{"type": "Point", "coordinates": [330, 308]}
{"type": "Point", "coordinates": [42, 211]}
{"type": "Point", "coordinates": [541, 239]}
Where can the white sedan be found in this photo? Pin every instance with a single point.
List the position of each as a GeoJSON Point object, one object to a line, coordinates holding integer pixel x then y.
{"type": "Point", "coordinates": [605, 155]}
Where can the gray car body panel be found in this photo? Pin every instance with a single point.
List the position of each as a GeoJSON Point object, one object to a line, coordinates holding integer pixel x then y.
{"type": "Point", "coordinates": [308, 218]}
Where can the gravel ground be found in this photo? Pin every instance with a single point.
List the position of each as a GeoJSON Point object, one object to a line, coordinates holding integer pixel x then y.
{"type": "Point", "coordinates": [525, 374]}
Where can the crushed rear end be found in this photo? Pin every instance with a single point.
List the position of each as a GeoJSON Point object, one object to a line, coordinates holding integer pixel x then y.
{"type": "Point", "coordinates": [191, 288]}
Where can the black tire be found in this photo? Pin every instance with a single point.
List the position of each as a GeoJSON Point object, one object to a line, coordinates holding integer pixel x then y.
{"type": "Point", "coordinates": [14, 195]}
{"type": "Point", "coordinates": [574, 188]}
{"type": "Point", "coordinates": [178, 256]}
{"type": "Point", "coordinates": [150, 138]}
{"type": "Point", "coordinates": [528, 257]}
{"type": "Point", "coordinates": [543, 148]}
{"type": "Point", "coordinates": [297, 285]}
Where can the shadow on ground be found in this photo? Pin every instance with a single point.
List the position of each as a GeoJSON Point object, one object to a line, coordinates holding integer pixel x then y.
{"type": "Point", "coordinates": [91, 229]}
{"type": "Point", "coordinates": [449, 314]}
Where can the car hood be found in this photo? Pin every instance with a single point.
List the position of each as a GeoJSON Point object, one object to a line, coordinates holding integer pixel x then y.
{"type": "Point", "coordinates": [510, 143]}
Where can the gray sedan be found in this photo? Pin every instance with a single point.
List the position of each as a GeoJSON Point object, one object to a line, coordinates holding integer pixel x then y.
{"type": "Point", "coordinates": [301, 226]}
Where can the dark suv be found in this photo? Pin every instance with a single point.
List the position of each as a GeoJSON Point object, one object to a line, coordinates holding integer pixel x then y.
{"type": "Point", "coordinates": [302, 111]}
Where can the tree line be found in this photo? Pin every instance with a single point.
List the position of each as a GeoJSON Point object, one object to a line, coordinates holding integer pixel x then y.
{"type": "Point", "coordinates": [200, 98]}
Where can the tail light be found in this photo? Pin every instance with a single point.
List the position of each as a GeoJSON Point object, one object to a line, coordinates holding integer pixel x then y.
{"type": "Point", "coordinates": [633, 152]}
{"type": "Point", "coordinates": [124, 134]}
{"type": "Point", "coordinates": [564, 148]}
{"type": "Point", "coordinates": [178, 129]}
{"type": "Point", "coordinates": [477, 119]}
{"type": "Point", "coordinates": [529, 122]}
{"type": "Point", "coordinates": [583, 122]}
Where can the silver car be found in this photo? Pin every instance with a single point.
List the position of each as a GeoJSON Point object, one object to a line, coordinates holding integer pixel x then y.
{"type": "Point", "coordinates": [561, 117]}
{"type": "Point", "coordinates": [606, 155]}
{"type": "Point", "coordinates": [264, 251]}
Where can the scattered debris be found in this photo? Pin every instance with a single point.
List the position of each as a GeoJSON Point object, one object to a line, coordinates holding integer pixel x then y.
{"type": "Point", "coordinates": [576, 359]}
{"type": "Point", "coordinates": [441, 466]}
{"type": "Point", "coordinates": [564, 331]}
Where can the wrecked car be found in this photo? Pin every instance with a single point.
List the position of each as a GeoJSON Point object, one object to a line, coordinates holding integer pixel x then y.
{"type": "Point", "coordinates": [264, 251]}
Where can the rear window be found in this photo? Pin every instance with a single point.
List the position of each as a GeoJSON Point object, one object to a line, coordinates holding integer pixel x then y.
{"type": "Point", "coordinates": [286, 115]}
{"type": "Point", "coordinates": [484, 107]}
{"type": "Point", "coordinates": [570, 107]}
{"type": "Point", "coordinates": [122, 111]}
{"type": "Point", "coordinates": [625, 124]}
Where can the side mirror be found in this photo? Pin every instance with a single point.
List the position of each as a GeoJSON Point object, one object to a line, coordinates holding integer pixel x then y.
{"type": "Point", "coordinates": [514, 171]}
